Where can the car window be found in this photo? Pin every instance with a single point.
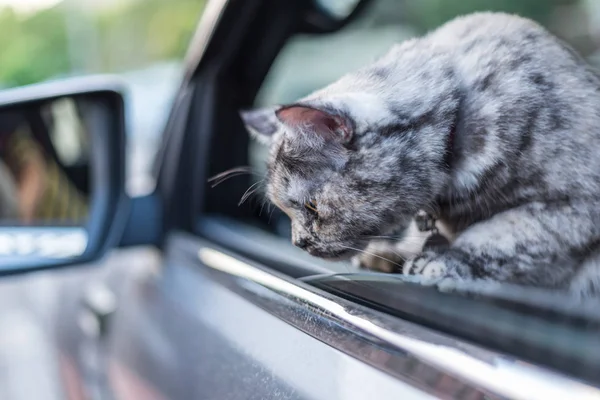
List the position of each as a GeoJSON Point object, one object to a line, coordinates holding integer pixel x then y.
{"type": "Point", "coordinates": [308, 62]}
{"type": "Point", "coordinates": [142, 41]}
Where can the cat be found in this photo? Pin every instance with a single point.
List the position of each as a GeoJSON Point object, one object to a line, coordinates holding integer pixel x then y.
{"type": "Point", "coordinates": [489, 123]}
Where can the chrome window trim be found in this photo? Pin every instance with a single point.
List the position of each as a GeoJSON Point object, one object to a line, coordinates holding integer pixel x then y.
{"type": "Point", "coordinates": [211, 15]}
{"type": "Point", "coordinates": [488, 371]}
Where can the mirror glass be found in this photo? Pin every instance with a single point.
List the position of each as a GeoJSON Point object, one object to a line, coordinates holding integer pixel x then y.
{"type": "Point", "coordinates": [44, 165]}
{"type": "Point", "coordinates": [45, 177]}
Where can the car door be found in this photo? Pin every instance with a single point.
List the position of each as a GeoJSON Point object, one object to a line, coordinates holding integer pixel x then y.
{"type": "Point", "coordinates": [228, 309]}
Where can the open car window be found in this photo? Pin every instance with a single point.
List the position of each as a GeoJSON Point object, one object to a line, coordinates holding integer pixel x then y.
{"type": "Point", "coordinates": [539, 326]}
{"type": "Point", "coordinates": [309, 62]}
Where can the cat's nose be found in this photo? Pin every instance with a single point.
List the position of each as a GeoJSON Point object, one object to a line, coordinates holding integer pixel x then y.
{"type": "Point", "coordinates": [302, 243]}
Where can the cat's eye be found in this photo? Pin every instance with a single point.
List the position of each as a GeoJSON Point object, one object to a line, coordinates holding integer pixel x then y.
{"type": "Point", "coordinates": [312, 206]}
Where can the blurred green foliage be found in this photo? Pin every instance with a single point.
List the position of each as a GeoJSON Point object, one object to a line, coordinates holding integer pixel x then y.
{"type": "Point", "coordinates": [82, 36]}
{"type": "Point", "coordinates": [77, 37]}
{"type": "Point", "coordinates": [32, 49]}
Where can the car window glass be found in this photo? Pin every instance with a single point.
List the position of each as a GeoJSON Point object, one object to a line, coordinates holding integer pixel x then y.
{"type": "Point", "coordinates": [142, 41]}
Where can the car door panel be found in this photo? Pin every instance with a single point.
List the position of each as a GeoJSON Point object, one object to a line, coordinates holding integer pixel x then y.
{"type": "Point", "coordinates": [189, 331]}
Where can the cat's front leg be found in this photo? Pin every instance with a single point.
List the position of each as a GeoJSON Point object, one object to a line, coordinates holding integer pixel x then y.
{"type": "Point", "coordinates": [535, 244]}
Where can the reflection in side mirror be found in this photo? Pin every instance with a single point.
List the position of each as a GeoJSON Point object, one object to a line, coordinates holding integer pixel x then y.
{"type": "Point", "coordinates": [44, 163]}
{"type": "Point", "coordinates": [61, 172]}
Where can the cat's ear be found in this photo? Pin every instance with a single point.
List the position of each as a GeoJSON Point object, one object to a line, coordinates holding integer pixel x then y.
{"type": "Point", "coordinates": [262, 123]}
{"type": "Point", "coordinates": [328, 126]}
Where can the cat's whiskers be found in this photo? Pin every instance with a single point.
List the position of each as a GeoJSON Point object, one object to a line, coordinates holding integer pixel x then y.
{"type": "Point", "coordinates": [402, 239]}
{"type": "Point", "coordinates": [231, 173]}
{"type": "Point", "coordinates": [265, 201]}
{"type": "Point", "coordinates": [392, 237]}
{"type": "Point", "coordinates": [244, 169]}
{"type": "Point", "coordinates": [402, 254]}
{"type": "Point", "coordinates": [250, 191]}
{"type": "Point", "coordinates": [273, 208]}
{"type": "Point", "coordinates": [371, 254]}
{"type": "Point", "coordinates": [399, 238]}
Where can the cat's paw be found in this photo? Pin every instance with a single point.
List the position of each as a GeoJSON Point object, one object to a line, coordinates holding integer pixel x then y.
{"type": "Point", "coordinates": [429, 265]}
{"type": "Point", "coordinates": [379, 259]}
{"type": "Point", "coordinates": [432, 265]}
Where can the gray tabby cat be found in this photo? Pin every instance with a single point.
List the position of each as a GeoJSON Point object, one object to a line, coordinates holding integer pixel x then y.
{"type": "Point", "coordinates": [489, 123]}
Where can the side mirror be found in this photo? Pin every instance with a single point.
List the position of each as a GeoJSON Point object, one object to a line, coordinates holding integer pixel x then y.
{"type": "Point", "coordinates": [62, 162]}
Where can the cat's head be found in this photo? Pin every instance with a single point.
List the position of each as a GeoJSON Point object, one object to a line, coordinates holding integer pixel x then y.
{"type": "Point", "coordinates": [355, 160]}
